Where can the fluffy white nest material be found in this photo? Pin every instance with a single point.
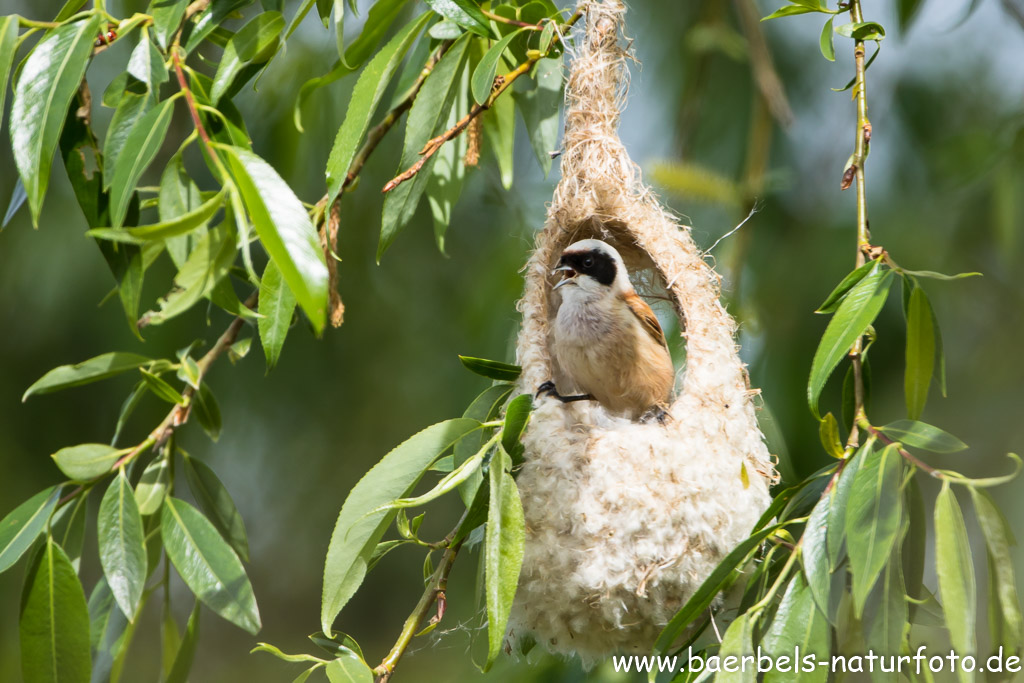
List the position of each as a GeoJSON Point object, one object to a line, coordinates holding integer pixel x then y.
{"type": "Point", "coordinates": [625, 520]}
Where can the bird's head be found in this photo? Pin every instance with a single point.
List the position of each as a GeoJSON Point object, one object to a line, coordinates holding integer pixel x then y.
{"type": "Point", "coordinates": [594, 267]}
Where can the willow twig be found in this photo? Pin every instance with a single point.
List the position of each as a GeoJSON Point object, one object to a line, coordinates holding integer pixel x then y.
{"type": "Point", "coordinates": [501, 84]}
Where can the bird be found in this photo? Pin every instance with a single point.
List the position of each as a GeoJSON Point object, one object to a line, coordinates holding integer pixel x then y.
{"type": "Point", "coordinates": [606, 340]}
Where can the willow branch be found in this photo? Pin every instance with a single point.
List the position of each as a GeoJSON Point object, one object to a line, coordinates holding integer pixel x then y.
{"type": "Point", "coordinates": [860, 154]}
{"type": "Point", "coordinates": [501, 84]}
{"type": "Point", "coordinates": [434, 592]}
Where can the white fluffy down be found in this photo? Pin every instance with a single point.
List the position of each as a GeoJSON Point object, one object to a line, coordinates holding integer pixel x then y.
{"type": "Point", "coordinates": [624, 520]}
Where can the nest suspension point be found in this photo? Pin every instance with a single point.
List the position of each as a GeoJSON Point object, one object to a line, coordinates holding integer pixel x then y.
{"type": "Point", "coordinates": [625, 520]}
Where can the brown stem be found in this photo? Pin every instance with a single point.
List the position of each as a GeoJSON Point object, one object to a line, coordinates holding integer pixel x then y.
{"type": "Point", "coordinates": [189, 100]}
{"type": "Point", "coordinates": [868, 427]}
{"type": "Point", "coordinates": [501, 84]}
{"type": "Point", "coordinates": [434, 592]}
{"type": "Point", "coordinates": [512, 22]}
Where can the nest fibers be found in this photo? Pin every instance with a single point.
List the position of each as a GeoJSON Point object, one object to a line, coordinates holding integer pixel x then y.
{"type": "Point", "coordinates": [625, 520]}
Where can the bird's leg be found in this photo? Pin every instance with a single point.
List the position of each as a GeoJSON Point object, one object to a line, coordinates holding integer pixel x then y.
{"type": "Point", "coordinates": [548, 389]}
{"type": "Point", "coordinates": [655, 412]}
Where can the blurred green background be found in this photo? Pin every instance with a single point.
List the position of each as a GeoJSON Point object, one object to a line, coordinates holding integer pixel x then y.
{"type": "Point", "coordinates": [943, 179]}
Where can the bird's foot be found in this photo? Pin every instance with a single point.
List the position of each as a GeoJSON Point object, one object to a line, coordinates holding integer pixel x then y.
{"type": "Point", "coordinates": [655, 412]}
{"type": "Point", "coordinates": [549, 389]}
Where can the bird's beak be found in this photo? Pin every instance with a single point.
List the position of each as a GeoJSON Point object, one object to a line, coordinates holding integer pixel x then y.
{"type": "Point", "coordinates": [570, 274]}
{"type": "Point", "coordinates": [562, 268]}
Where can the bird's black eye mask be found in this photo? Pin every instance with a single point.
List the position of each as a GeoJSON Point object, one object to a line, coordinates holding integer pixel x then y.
{"type": "Point", "coordinates": [596, 264]}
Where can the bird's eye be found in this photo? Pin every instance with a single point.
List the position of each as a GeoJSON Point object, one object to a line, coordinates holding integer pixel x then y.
{"type": "Point", "coordinates": [588, 262]}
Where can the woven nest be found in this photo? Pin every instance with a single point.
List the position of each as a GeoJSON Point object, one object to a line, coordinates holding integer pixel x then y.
{"type": "Point", "coordinates": [625, 520]}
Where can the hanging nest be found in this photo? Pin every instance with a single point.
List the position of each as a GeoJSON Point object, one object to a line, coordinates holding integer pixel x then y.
{"type": "Point", "coordinates": [624, 520]}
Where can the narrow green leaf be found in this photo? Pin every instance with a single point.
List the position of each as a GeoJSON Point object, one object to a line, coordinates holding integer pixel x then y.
{"type": "Point", "coordinates": [8, 46]}
{"type": "Point", "coordinates": [516, 416]}
{"type": "Point", "coordinates": [1008, 625]}
{"type": "Point", "coordinates": [427, 116]}
{"type": "Point", "coordinates": [21, 526]}
{"type": "Point", "coordinates": [356, 534]}
{"type": "Point", "coordinates": [146, 64]}
{"type": "Point", "coordinates": [180, 225]}
{"type": "Point", "coordinates": [736, 644]}
{"type": "Point", "coordinates": [913, 550]}
{"type": "Point", "coordinates": [213, 498]}
{"type": "Point", "coordinates": [134, 103]}
{"type": "Point", "coordinates": [170, 639]}
{"type": "Point", "coordinates": [144, 141]}
{"type": "Point", "coordinates": [465, 13]}
{"type": "Point", "coordinates": [179, 196]}
{"type": "Point", "coordinates": [873, 519]}
{"type": "Point", "coordinates": [86, 461]}
{"type": "Point", "coordinates": [540, 107]}
{"type": "Point", "coordinates": [285, 230]}
{"type": "Point", "coordinates": [161, 388]}
{"type": "Point", "coordinates": [499, 126]}
{"type": "Point", "coordinates": [492, 369]}
{"type": "Point", "coordinates": [48, 82]}
{"type": "Point", "coordinates": [207, 411]}
{"type": "Point", "coordinates": [68, 528]}
{"type": "Point", "coordinates": [448, 173]}
{"type": "Point", "coordinates": [940, 276]}
{"type": "Point", "coordinates": [828, 47]}
{"type": "Point", "coordinates": [348, 668]}
{"type": "Point", "coordinates": [857, 311]}
{"type": "Point", "coordinates": [815, 555]}
{"type": "Point", "coordinates": [484, 408]}
{"type": "Point", "coordinates": [885, 614]}
{"type": "Point", "coordinates": [503, 554]}
{"type": "Point", "coordinates": [54, 625]}
{"type": "Point", "coordinates": [187, 650]}
{"type": "Point", "coordinates": [207, 564]}
{"type": "Point", "coordinates": [122, 545]}
{"type": "Point", "coordinates": [276, 305]}
{"type": "Point", "coordinates": [152, 486]}
{"type": "Point", "coordinates": [167, 16]}
{"type": "Point", "coordinates": [798, 623]}
{"type": "Point", "coordinates": [862, 30]}
{"type": "Point", "coordinates": [483, 76]}
{"type": "Point", "coordinates": [956, 574]}
{"type": "Point", "coordinates": [369, 89]}
{"type": "Point", "coordinates": [703, 596]}
{"type": "Point", "coordinates": [924, 436]}
{"type": "Point", "coordinates": [254, 43]}
{"type": "Point", "coordinates": [788, 11]}
{"type": "Point", "coordinates": [920, 356]}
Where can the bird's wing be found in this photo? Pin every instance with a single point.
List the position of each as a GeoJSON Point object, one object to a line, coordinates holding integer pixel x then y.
{"type": "Point", "coordinates": [646, 316]}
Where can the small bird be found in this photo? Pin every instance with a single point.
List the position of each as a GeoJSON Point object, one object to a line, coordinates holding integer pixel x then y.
{"type": "Point", "coordinates": [606, 339]}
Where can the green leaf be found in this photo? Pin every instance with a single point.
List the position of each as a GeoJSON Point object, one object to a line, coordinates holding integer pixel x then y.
{"type": "Point", "coordinates": [448, 173]}
{"type": "Point", "coordinates": [828, 47]}
{"type": "Point", "coordinates": [705, 595]}
{"type": "Point", "coordinates": [356, 534]}
{"type": "Point", "coordinates": [216, 502]}
{"type": "Point", "coordinates": [736, 644]}
{"type": "Point", "coordinates": [814, 555]}
{"type": "Point", "coordinates": [913, 550]}
{"type": "Point", "coordinates": [492, 369]}
{"type": "Point", "coordinates": [285, 230]}
{"type": "Point", "coordinates": [885, 614]}
{"type": "Point", "coordinates": [920, 352]}
{"type": "Point", "coordinates": [369, 89]}
{"type": "Point", "coordinates": [465, 13]}
{"type": "Point", "coordinates": [862, 30]}
{"type": "Point", "coordinates": [924, 436]}
{"type": "Point", "coordinates": [798, 623]}
{"type": "Point", "coordinates": [939, 276]}
{"type": "Point", "coordinates": [484, 408]}
{"type": "Point", "coordinates": [1004, 609]}
{"type": "Point", "coordinates": [828, 432]}
{"type": "Point", "coordinates": [516, 416]}
{"type": "Point", "coordinates": [348, 668]}
{"type": "Point", "coordinates": [179, 196]}
{"type": "Point", "coordinates": [87, 461]}
{"type": "Point", "coordinates": [22, 525]}
{"type": "Point", "coordinates": [207, 564]}
{"type": "Point", "coordinates": [152, 486]}
{"type": "Point", "coordinates": [8, 46]}
{"type": "Point", "coordinates": [540, 108]}
{"type": "Point", "coordinates": [161, 388]}
{"type": "Point", "coordinates": [122, 545]}
{"type": "Point", "coordinates": [445, 30]}
{"type": "Point", "coordinates": [427, 116]}
{"type": "Point", "coordinates": [906, 11]}
{"type": "Point", "coordinates": [146, 64]}
{"type": "Point", "coordinates": [127, 408]}
{"type": "Point", "coordinates": [135, 102]}
{"type": "Point", "coordinates": [206, 410]}
{"type": "Point", "coordinates": [500, 127]}
{"type": "Point", "coordinates": [276, 305]}
{"type": "Point", "coordinates": [110, 633]}
{"type": "Point", "coordinates": [48, 82]}
{"type": "Point", "coordinates": [857, 311]}
{"type": "Point", "coordinates": [254, 43]}
{"type": "Point", "coordinates": [180, 225]}
{"type": "Point", "coordinates": [144, 141]}
{"type": "Point", "coordinates": [483, 76]}
{"type": "Point", "coordinates": [873, 519]}
{"type": "Point", "coordinates": [788, 11]}
{"type": "Point", "coordinates": [186, 651]}
{"type": "Point", "coordinates": [504, 541]}
{"type": "Point", "coordinates": [167, 16]}
{"type": "Point", "coordinates": [54, 626]}
{"type": "Point", "coordinates": [68, 528]}
{"type": "Point", "coordinates": [955, 572]}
